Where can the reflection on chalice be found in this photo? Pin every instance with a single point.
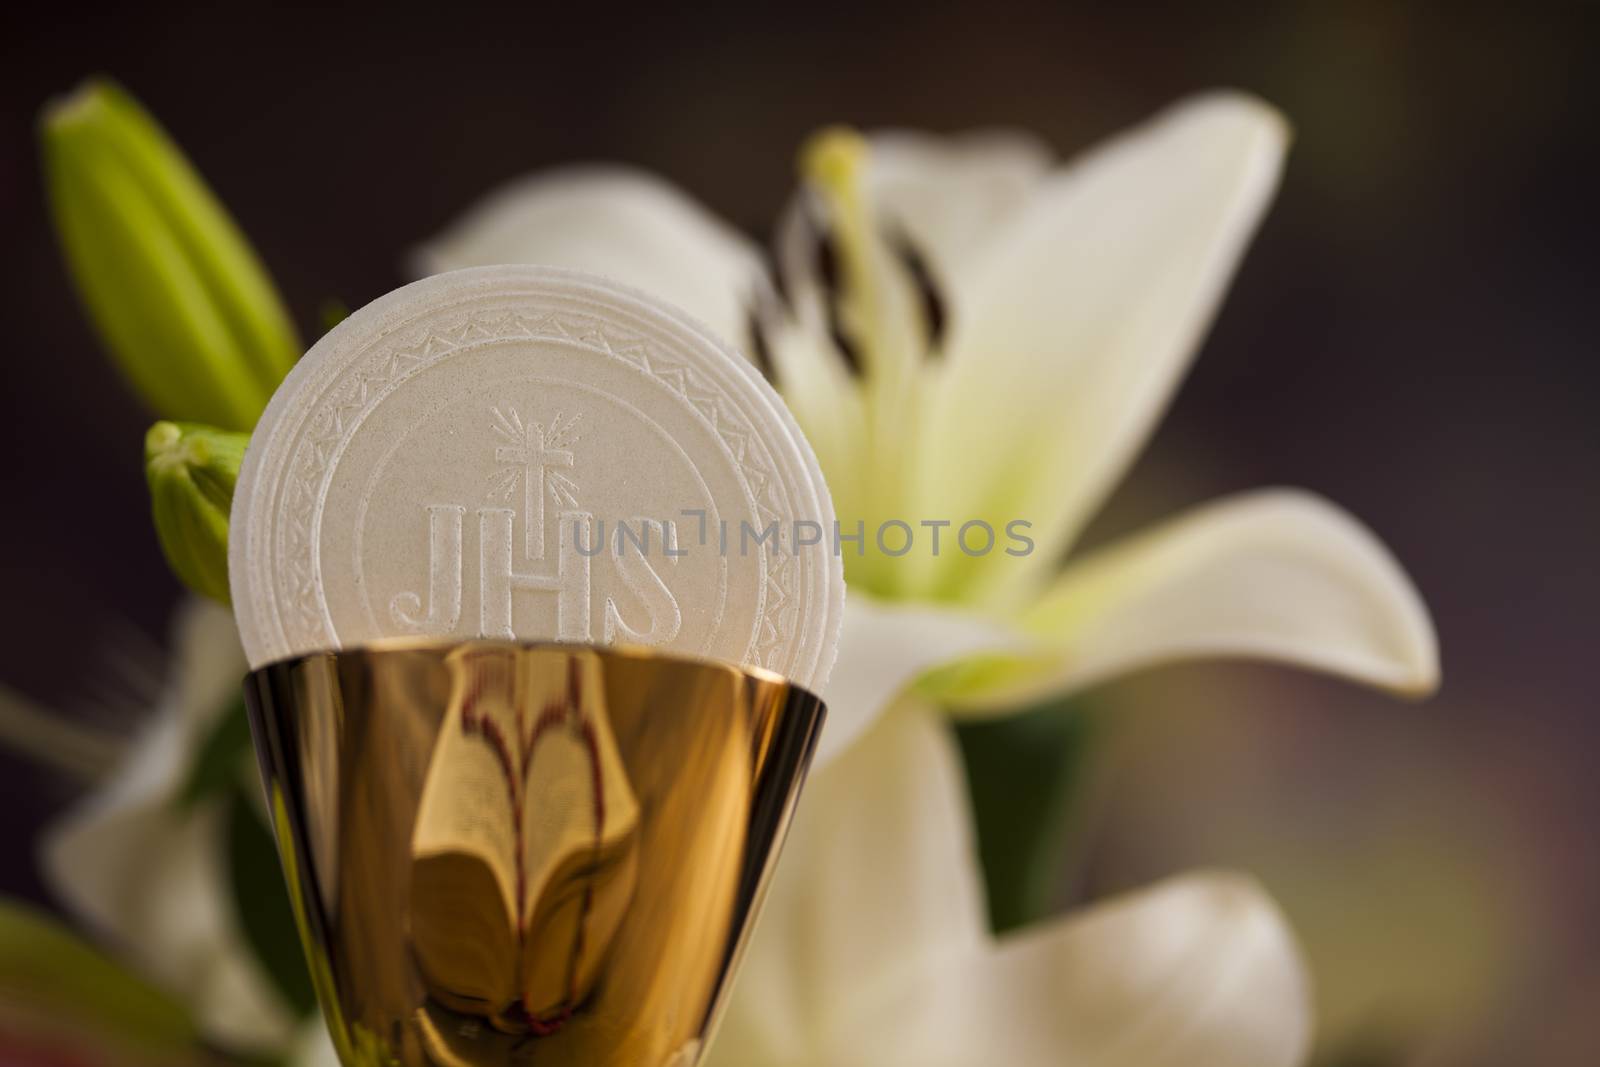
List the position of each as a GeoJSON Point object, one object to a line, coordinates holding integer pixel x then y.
{"type": "Point", "coordinates": [525, 851]}
{"type": "Point", "coordinates": [515, 854]}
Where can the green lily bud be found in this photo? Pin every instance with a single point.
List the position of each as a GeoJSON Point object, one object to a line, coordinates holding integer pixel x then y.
{"type": "Point", "coordinates": [177, 294]}
{"type": "Point", "coordinates": [192, 470]}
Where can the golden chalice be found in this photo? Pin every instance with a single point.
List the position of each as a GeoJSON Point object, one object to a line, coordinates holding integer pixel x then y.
{"type": "Point", "coordinates": [505, 854]}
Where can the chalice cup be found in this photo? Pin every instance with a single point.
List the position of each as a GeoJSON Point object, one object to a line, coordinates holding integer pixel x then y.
{"type": "Point", "coordinates": [503, 853]}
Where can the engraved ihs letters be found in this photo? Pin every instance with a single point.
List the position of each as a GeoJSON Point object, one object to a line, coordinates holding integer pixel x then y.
{"type": "Point", "coordinates": [533, 459]}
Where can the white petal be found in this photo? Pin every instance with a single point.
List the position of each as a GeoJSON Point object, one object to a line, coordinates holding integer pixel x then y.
{"type": "Point", "coordinates": [1275, 574]}
{"type": "Point", "coordinates": [150, 879]}
{"type": "Point", "coordinates": [148, 875]}
{"type": "Point", "coordinates": [951, 194]}
{"type": "Point", "coordinates": [900, 213]}
{"type": "Point", "coordinates": [1200, 971]}
{"type": "Point", "coordinates": [313, 1047]}
{"type": "Point", "coordinates": [878, 881]}
{"type": "Point", "coordinates": [883, 648]}
{"type": "Point", "coordinates": [829, 407]}
{"type": "Point", "coordinates": [207, 663]}
{"type": "Point", "coordinates": [1082, 317]}
{"type": "Point", "coordinates": [622, 223]}
{"type": "Point", "coordinates": [947, 195]}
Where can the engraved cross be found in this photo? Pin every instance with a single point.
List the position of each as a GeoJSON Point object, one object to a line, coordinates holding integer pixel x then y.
{"type": "Point", "coordinates": [535, 459]}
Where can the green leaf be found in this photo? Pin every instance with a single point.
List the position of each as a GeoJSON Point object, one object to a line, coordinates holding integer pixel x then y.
{"type": "Point", "coordinates": [223, 756]}
{"type": "Point", "coordinates": [55, 975]}
{"type": "Point", "coordinates": [1024, 774]}
{"type": "Point", "coordinates": [265, 913]}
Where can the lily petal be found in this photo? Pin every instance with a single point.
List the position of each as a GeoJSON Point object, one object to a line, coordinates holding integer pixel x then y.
{"type": "Point", "coordinates": [1280, 575]}
{"type": "Point", "coordinates": [1200, 971]}
{"type": "Point", "coordinates": [312, 1047]}
{"type": "Point", "coordinates": [869, 249]}
{"type": "Point", "coordinates": [1080, 320]}
{"type": "Point", "coordinates": [884, 647]}
{"type": "Point", "coordinates": [851, 290]}
{"type": "Point", "coordinates": [152, 880]}
{"type": "Point", "coordinates": [941, 196]}
{"type": "Point", "coordinates": [878, 882]}
{"type": "Point", "coordinates": [619, 222]}
{"type": "Point", "coordinates": [149, 876]}
{"type": "Point", "coordinates": [949, 194]}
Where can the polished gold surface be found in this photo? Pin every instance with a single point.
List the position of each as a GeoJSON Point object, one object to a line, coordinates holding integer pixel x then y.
{"type": "Point", "coordinates": [505, 854]}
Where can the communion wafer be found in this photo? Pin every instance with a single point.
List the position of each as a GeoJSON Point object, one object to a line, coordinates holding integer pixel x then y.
{"type": "Point", "coordinates": [531, 453]}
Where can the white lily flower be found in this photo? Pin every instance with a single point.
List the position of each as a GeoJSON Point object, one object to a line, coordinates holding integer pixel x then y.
{"type": "Point", "coordinates": [874, 948]}
{"type": "Point", "coordinates": [968, 334]}
{"type": "Point", "coordinates": [148, 874]}
{"type": "Point", "coordinates": [965, 334]}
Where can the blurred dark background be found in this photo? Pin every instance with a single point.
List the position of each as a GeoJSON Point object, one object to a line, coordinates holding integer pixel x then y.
{"type": "Point", "coordinates": [1412, 335]}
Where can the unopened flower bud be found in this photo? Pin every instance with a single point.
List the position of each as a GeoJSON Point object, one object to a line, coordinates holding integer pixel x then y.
{"type": "Point", "coordinates": [192, 470]}
{"type": "Point", "coordinates": [177, 294]}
